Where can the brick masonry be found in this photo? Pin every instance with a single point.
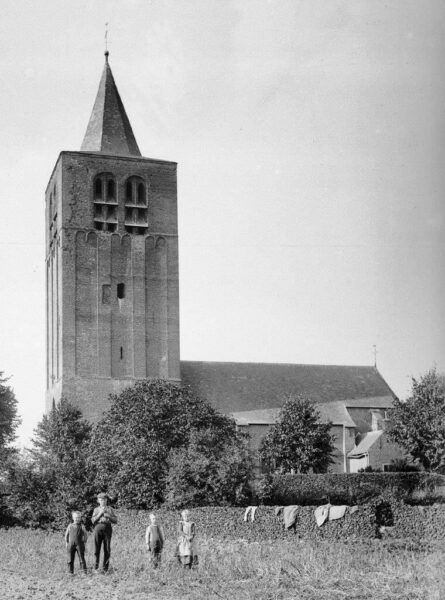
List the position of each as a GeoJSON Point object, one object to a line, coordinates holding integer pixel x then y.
{"type": "Point", "coordinates": [97, 343]}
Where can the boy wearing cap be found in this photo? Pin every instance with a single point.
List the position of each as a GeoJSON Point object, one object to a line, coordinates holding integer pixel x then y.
{"type": "Point", "coordinates": [103, 517]}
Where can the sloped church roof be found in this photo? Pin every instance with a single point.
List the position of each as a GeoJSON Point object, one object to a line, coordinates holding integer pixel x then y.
{"type": "Point", "coordinates": [109, 128]}
{"type": "Point", "coordinates": [234, 387]}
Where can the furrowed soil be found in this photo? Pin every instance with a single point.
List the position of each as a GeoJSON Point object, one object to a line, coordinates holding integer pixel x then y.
{"type": "Point", "coordinates": [33, 565]}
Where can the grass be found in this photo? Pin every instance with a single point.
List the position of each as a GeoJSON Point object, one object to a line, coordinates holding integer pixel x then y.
{"type": "Point", "coordinates": [33, 565]}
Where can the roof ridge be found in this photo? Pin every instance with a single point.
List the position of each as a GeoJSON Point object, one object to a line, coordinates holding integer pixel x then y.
{"type": "Point", "coordinates": [233, 362]}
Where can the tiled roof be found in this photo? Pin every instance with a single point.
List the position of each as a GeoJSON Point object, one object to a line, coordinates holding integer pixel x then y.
{"type": "Point", "coordinates": [334, 412]}
{"type": "Point", "coordinates": [109, 128]}
{"type": "Point", "coordinates": [372, 402]}
{"type": "Point", "coordinates": [233, 387]}
{"type": "Point", "coordinates": [365, 444]}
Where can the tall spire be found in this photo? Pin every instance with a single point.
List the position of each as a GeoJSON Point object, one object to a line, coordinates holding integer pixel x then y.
{"type": "Point", "coordinates": [109, 130]}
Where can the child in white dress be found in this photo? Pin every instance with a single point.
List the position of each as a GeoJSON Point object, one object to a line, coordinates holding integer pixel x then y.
{"type": "Point", "coordinates": [186, 547]}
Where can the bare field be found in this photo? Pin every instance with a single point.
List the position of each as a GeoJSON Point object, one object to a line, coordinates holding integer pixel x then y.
{"type": "Point", "coordinates": [33, 565]}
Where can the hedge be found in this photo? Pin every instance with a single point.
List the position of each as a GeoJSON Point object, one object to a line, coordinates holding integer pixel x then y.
{"type": "Point", "coordinates": [345, 488]}
{"type": "Point", "coordinates": [226, 523]}
{"type": "Point", "coordinates": [410, 523]}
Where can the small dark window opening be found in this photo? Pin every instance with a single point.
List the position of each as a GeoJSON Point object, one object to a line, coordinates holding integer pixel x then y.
{"type": "Point", "coordinates": [121, 291]}
{"type": "Point", "coordinates": [98, 188]}
{"type": "Point", "coordinates": [141, 194]}
{"type": "Point", "coordinates": [110, 190]}
{"type": "Point", "coordinates": [122, 353]}
{"type": "Point", "coordinates": [129, 191]}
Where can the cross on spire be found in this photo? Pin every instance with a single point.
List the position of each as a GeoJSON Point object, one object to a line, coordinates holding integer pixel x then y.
{"type": "Point", "coordinates": [106, 42]}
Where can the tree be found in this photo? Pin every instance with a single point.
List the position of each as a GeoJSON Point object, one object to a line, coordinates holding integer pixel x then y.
{"type": "Point", "coordinates": [418, 424]}
{"type": "Point", "coordinates": [131, 445]}
{"type": "Point", "coordinates": [298, 440]}
{"type": "Point", "coordinates": [52, 478]}
{"type": "Point", "coordinates": [9, 420]}
{"type": "Point", "coordinates": [211, 470]}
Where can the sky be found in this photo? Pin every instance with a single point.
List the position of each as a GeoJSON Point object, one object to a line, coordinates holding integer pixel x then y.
{"type": "Point", "coordinates": [310, 141]}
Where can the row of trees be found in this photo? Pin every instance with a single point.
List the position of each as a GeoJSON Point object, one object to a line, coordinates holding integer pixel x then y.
{"type": "Point", "coordinates": [157, 444]}
{"type": "Point", "coordinates": [160, 444]}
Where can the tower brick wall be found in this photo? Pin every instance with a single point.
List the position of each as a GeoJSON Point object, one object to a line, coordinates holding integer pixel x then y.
{"type": "Point", "coordinates": [97, 342]}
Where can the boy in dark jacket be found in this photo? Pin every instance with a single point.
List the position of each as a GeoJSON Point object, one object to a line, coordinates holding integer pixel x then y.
{"type": "Point", "coordinates": [103, 517]}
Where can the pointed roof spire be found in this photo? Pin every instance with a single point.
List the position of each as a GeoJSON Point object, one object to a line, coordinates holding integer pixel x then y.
{"type": "Point", "coordinates": [109, 130]}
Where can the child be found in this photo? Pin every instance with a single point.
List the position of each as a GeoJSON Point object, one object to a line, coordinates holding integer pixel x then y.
{"type": "Point", "coordinates": [76, 538]}
{"type": "Point", "coordinates": [186, 547]}
{"type": "Point", "coordinates": [103, 516]}
{"type": "Point", "coordinates": [154, 539]}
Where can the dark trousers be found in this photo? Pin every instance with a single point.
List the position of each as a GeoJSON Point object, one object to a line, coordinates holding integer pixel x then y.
{"type": "Point", "coordinates": [71, 551]}
{"type": "Point", "coordinates": [155, 554]}
{"type": "Point", "coordinates": [102, 535]}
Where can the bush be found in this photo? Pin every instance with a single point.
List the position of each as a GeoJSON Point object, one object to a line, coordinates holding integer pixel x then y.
{"type": "Point", "coordinates": [43, 486]}
{"type": "Point", "coordinates": [155, 426]}
{"type": "Point", "coordinates": [345, 488]}
{"type": "Point", "coordinates": [210, 470]}
{"type": "Point", "coordinates": [299, 440]}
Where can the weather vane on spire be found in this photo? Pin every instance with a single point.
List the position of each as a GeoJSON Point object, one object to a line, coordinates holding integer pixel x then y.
{"type": "Point", "coordinates": [106, 41]}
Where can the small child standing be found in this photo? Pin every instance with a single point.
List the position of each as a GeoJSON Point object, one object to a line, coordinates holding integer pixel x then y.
{"type": "Point", "coordinates": [186, 549]}
{"type": "Point", "coordinates": [154, 539]}
{"type": "Point", "coordinates": [75, 539]}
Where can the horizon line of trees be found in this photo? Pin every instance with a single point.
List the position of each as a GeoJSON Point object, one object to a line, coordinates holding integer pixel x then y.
{"type": "Point", "coordinates": [159, 444]}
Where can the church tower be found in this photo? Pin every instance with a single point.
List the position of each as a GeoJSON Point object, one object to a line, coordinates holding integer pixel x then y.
{"type": "Point", "coordinates": [112, 295]}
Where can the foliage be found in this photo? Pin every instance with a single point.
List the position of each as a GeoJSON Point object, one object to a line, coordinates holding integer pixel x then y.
{"type": "Point", "coordinates": [30, 493]}
{"type": "Point", "coordinates": [401, 465]}
{"type": "Point", "coordinates": [53, 477]}
{"type": "Point", "coordinates": [132, 445]}
{"type": "Point", "coordinates": [9, 420]}
{"type": "Point", "coordinates": [212, 469]}
{"type": "Point", "coordinates": [298, 441]}
{"type": "Point", "coordinates": [418, 425]}
{"type": "Point", "coordinates": [346, 488]}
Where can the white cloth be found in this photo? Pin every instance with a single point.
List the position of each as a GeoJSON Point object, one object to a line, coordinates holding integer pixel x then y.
{"type": "Point", "coordinates": [337, 512]}
{"type": "Point", "coordinates": [250, 510]}
{"type": "Point", "coordinates": [290, 515]}
{"type": "Point", "coordinates": [321, 514]}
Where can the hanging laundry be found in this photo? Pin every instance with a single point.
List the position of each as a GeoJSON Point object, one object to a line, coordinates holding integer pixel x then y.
{"type": "Point", "coordinates": [250, 510]}
{"type": "Point", "coordinates": [337, 512]}
{"type": "Point", "coordinates": [290, 516]}
{"type": "Point", "coordinates": [321, 514]}
{"type": "Point", "coordinates": [353, 509]}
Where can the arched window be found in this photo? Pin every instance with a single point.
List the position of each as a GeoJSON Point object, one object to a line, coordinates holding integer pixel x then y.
{"type": "Point", "coordinates": [136, 212]}
{"type": "Point", "coordinates": [104, 193]}
{"type": "Point", "coordinates": [105, 188]}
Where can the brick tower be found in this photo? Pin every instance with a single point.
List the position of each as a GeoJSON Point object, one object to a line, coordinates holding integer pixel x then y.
{"type": "Point", "coordinates": [112, 295]}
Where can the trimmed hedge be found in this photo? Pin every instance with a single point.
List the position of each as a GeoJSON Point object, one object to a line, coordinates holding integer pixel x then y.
{"type": "Point", "coordinates": [408, 523]}
{"type": "Point", "coordinates": [345, 488]}
{"type": "Point", "coordinates": [226, 523]}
